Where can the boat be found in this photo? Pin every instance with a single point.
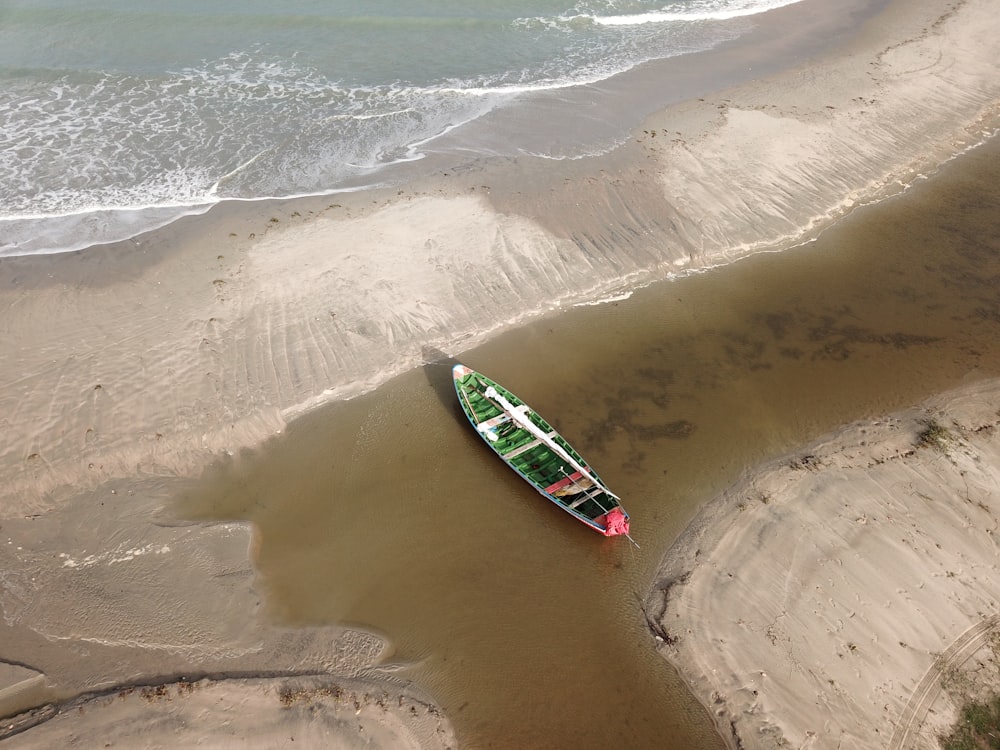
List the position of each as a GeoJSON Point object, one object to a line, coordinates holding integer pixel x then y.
{"type": "Point", "coordinates": [531, 447]}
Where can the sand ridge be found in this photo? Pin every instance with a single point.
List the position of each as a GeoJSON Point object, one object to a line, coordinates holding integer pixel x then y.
{"type": "Point", "coordinates": [823, 599]}
{"type": "Point", "coordinates": [246, 713]}
{"type": "Point", "coordinates": [791, 163]}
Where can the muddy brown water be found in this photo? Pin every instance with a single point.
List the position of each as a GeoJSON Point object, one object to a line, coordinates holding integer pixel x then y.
{"type": "Point", "coordinates": [387, 511]}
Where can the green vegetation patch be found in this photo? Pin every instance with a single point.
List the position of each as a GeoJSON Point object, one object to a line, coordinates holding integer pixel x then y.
{"type": "Point", "coordinates": [934, 435]}
{"type": "Point", "coordinates": [978, 728]}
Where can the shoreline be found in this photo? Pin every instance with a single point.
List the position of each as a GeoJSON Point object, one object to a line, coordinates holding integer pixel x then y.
{"type": "Point", "coordinates": [253, 316]}
{"type": "Point", "coordinates": [580, 120]}
{"type": "Point", "coordinates": [137, 364]}
{"type": "Point", "coordinates": [882, 536]}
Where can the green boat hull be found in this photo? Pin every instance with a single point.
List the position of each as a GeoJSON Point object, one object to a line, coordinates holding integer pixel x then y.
{"type": "Point", "coordinates": [539, 454]}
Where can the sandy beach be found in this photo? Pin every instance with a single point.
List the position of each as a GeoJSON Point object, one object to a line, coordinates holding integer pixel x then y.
{"type": "Point", "coordinates": [846, 595]}
{"type": "Point", "coordinates": [246, 316]}
{"type": "Point", "coordinates": [129, 368]}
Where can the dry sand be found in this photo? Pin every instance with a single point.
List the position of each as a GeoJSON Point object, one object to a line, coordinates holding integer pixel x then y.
{"type": "Point", "coordinates": [243, 713]}
{"type": "Point", "coordinates": [847, 595]}
{"type": "Point", "coordinates": [130, 366]}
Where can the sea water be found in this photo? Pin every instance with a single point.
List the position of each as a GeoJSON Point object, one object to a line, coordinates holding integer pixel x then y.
{"type": "Point", "coordinates": [121, 115]}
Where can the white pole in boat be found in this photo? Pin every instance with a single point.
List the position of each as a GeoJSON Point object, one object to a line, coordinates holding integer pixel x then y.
{"type": "Point", "coordinates": [520, 416]}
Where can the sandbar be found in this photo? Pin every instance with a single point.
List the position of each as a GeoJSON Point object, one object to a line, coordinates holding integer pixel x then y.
{"type": "Point", "coordinates": [846, 595]}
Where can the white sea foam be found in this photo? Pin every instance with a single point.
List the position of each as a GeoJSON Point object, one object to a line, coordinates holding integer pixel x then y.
{"type": "Point", "coordinates": [695, 11]}
{"type": "Point", "coordinates": [609, 299]}
{"type": "Point", "coordinates": [100, 147]}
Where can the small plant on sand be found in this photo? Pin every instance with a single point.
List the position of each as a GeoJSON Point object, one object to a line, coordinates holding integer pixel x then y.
{"type": "Point", "coordinates": [978, 727]}
{"type": "Point", "coordinates": [934, 435]}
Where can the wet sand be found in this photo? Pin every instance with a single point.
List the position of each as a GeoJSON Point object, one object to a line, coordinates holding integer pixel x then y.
{"type": "Point", "coordinates": [673, 394]}
{"type": "Point", "coordinates": [134, 366]}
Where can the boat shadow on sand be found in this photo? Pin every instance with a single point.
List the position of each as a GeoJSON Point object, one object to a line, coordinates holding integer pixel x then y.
{"type": "Point", "coordinates": [437, 369]}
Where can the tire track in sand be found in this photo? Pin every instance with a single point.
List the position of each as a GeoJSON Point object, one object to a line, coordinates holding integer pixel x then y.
{"type": "Point", "coordinates": [929, 687]}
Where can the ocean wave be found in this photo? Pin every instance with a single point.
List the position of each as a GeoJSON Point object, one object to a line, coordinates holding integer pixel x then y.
{"type": "Point", "coordinates": [240, 127]}
{"type": "Point", "coordinates": [700, 10]}
{"type": "Point", "coordinates": [48, 235]}
{"type": "Point", "coordinates": [99, 152]}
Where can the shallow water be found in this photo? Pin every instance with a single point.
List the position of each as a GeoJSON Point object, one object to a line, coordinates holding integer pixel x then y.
{"type": "Point", "coordinates": [388, 512]}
